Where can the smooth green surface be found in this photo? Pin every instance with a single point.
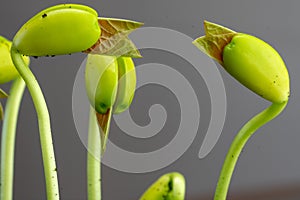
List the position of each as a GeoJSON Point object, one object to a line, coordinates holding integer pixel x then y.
{"type": "Point", "coordinates": [8, 139]}
{"type": "Point", "coordinates": [258, 66]}
{"type": "Point", "coordinates": [8, 72]}
{"type": "Point", "coordinates": [238, 144]}
{"type": "Point", "coordinates": [94, 159]}
{"type": "Point", "coordinates": [101, 81]}
{"type": "Point", "coordinates": [168, 187]}
{"type": "Point", "coordinates": [61, 29]}
{"type": "Point", "coordinates": [50, 169]}
{"type": "Point", "coordinates": [126, 84]}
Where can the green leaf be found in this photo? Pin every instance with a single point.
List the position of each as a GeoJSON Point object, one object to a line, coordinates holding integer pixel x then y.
{"type": "Point", "coordinates": [114, 39]}
{"type": "Point", "coordinates": [216, 38]}
{"type": "Point", "coordinates": [1, 112]}
{"type": "Point", "coordinates": [3, 94]}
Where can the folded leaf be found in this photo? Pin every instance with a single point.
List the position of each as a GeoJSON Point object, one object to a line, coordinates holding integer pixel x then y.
{"type": "Point", "coordinates": [114, 39]}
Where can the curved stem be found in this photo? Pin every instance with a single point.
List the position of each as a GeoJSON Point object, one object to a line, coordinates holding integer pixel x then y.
{"type": "Point", "coordinates": [8, 139]}
{"type": "Point", "coordinates": [50, 169]}
{"type": "Point", "coordinates": [94, 159]}
{"type": "Point", "coordinates": [239, 142]}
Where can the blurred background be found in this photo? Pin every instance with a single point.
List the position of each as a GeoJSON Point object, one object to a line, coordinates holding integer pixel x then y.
{"type": "Point", "coordinates": [269, 165]}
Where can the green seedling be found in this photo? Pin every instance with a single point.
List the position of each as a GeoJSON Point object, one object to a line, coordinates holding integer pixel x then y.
{"type": "Point", "coordinates": [170, 186]}
{"type": "Point", "coordinates": [256, 65]}
{"type": "Point", "coordinates": [104, 91]}
{"type": "Point", "coordinates": [250, 60]}
{"type": "Point", "coordinates": [101, 77]}
{"type": "Point", "coordinates": [65, 29]}
{"type": "Point", "coordinates": [61, 29]}
{"type": "Point", "coordinates": [9, 73]}
{"type": "Point", "coordinates": [110, 86]}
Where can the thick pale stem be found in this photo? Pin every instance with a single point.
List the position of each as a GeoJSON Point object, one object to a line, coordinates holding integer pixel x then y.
{"type": "Point", "coordinates": [238, 144]}
{"type": "Point", "coordinates": [50, 169]}
{"type": "Point", "coordinates": [8, 139]}
{"type": "Point", "coordinates": [94, 159]}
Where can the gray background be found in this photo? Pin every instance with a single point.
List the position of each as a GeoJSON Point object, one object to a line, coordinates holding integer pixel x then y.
{"type": "Point", "coordinates": [270, 159]}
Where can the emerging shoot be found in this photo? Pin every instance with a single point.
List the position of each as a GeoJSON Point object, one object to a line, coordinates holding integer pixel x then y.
{"type": "Point", "coordinates": [256, 65]}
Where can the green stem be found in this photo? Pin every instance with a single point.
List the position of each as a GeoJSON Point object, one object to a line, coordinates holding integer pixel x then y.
{"type": "Point", "coordinates": [8, 139]}
{"type": "Point", "coordinates": [50, 169]}
{"type": "Point", "coordinates": [239, 142]}
{"type": "Point", "coordinates": [94, 159]}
